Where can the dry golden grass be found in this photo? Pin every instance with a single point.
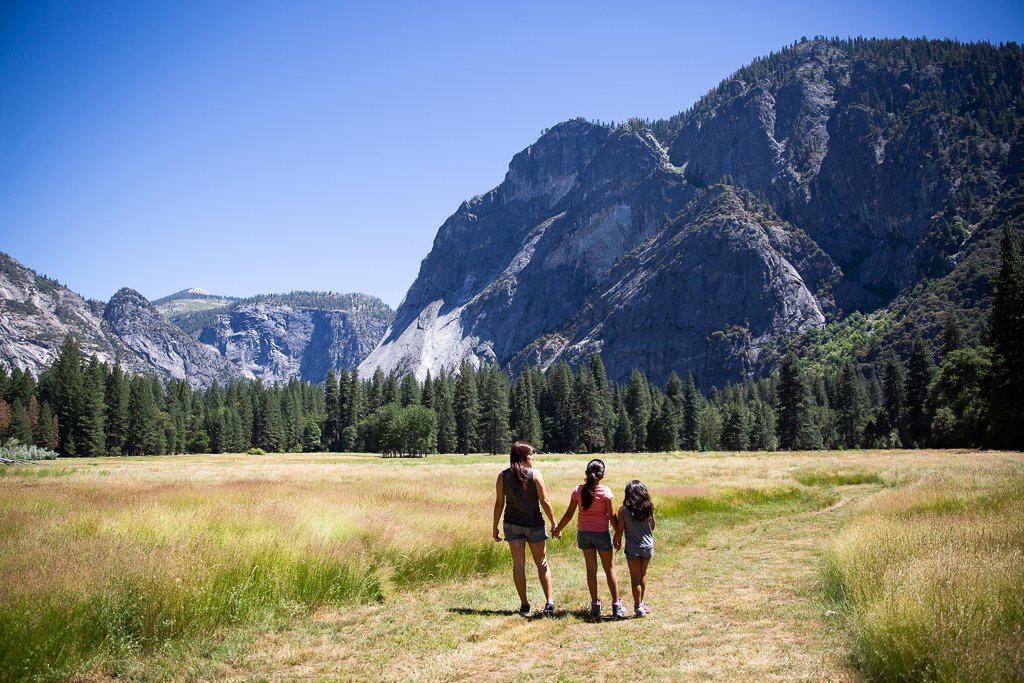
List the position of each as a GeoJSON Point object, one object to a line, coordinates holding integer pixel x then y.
{"type": "Point", "coordinates": [734, 585]}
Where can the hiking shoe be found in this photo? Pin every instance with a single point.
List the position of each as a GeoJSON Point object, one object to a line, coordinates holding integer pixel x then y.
{"type": "Point", "coordinates": [549, 610]}
{"type": "Point", "coordinates": [524, 609]}
{"type": "Point", "coordinates": [595, 609]}
{"type": "Point", "coordinates": [618, 611]}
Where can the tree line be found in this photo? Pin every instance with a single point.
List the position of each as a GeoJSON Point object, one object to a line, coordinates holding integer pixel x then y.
{"type": "Point", "coordinates": [949, 396]}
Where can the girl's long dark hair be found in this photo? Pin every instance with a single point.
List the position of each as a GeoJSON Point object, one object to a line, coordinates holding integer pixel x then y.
{"type": "Point", "coordinates": [638, 501]}
{"type": "Point", "coordinates": [595, 472]}
{"type": "Point", "coordinates": [517, 461]}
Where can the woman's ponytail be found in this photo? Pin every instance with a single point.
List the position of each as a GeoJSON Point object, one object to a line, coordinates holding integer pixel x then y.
{"type": "Point", "coordinates": [595, 473]}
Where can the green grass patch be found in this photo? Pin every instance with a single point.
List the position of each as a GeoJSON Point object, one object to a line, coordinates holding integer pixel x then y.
{"type": "Point", "coordinates": [457, 560]}
{"type": "Point", "coordinates": [29, 472]}
{"type": "Point", "coordinates": [836, 477]}
{"type": "Point", "coordinates": [736, 500]}
{"type": "Point", "coordinates": [931, 582]}
{"type": "Point", "coordinates": [49, 637]}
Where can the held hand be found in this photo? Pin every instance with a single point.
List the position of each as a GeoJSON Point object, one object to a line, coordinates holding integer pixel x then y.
{"type": "Point", "coordinates": [556, 532]}
{"type": "Point", "coordinates": [618, 544]}
{"type": "Point", "coordinates": [497, 536]}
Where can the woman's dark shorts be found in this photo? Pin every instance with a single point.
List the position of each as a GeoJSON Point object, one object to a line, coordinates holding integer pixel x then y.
{"type": "Point", "coordinates": [532, 534]}
{"type": "Point", "coordinates": [594, 540]}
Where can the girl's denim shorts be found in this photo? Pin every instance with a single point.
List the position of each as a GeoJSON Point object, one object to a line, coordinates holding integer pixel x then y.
{"type": "Point", "coordinates": [597, 540]}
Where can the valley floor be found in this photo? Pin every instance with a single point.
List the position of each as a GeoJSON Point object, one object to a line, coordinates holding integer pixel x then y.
{"type": "Point", "coordinates": [735, 585]}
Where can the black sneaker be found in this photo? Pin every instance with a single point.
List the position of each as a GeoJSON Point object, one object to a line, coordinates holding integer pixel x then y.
{"type": "Point", "coordinates": [549, 610]}
{"type": "Point", "coordinates": [524, 609]}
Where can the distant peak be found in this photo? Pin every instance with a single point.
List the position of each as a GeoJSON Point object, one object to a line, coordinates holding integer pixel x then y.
{"type": "Point", "coordinates": [197, 290]}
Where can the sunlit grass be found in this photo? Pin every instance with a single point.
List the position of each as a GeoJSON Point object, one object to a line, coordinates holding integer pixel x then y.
{"type": "Point", "coordinates": [118, 566]}
{"type": "Point", "coordinates": [817, 477]}
{"type": "Point", "coordinates": [932, 579]}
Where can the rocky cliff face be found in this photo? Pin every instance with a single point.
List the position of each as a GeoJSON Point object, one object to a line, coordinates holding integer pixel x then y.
{"type": "Point", "coordinates": [275, 342]}
{"type": "Point", "coordinates": [36, 313]}
{"type": "Point", "coordinates": [269, 340]}
{"type": "Point", "coordinates": [647, 242]}
{"type": "Point", "coordinates": [165, 349]}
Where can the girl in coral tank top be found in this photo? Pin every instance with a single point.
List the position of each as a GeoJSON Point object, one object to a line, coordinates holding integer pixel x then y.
{"type": "Point", "coordinates": [594, 501]}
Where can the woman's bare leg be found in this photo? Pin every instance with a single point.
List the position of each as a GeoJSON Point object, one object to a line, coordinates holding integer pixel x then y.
{"type": "Point", "coordinates": [540, 558]}
{"type": "Point", "coordinates": [518, 550]}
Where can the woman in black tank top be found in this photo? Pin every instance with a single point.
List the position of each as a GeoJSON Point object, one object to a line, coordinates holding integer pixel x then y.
{"type": "Point", "coordinates": [520, 496]}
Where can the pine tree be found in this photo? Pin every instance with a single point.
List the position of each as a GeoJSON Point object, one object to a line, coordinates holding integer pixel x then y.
{"type": "Point", "coordinates": [444, 403]}
{"type": "Point", "coordinates": [1006, 337]}
{"type": "Point", "coordinates": [524, 416]}
{"type": "Point", "coordinates": [637, 401]}
{"type": "Point", "coordinates": [32, 413]}
{"type": "Point", "coordinates": [663, 429]}
{"type": "Point", "coordinates": [67, 393]}
{"type": "Point", "coordinates": [47, 428]}
{"type": "Point", "coordinates": [691, 403]}
{"type": "Point", "coordinates": [117, 396]}
{"type": "Point", "coordinates": [604, 399]}
{"type": "Point", "coordinates": [893, 399]}
{"type": "Point", "coordinates": [331, 433]}
{"type": "Point", "coordinates": [427, 395]}
{"type": "Point", "coordinates": [850, 407]}
{"type": "Point", "coordinates": [920, 371]}
{"type": "Point", "coordinates": [494, 411]}
{"type": "Point", "coordinates": [559, 419]}
{"type": "Point", "coordinates": [409, 391]}
{"type": "Point", "coordinates": [91, 434]}
{"type": "Point", "coordinates": [357, 408]}
{"type": "Point", "coordinates": [591, 418]}
{"type": "Point", "coordinates": [625, 441]}
{"type": "Point", "coordinates": [794, 411]}
{"type": "Point", "coordinates": [952, 332]}
{"type": "Point", "coordinates": [467, 409]}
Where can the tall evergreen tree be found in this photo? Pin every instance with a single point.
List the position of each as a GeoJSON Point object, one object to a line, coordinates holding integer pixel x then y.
{"type": "Point", "coordinates": [117, 395]}
{"type": "Point", "coordinates": [467, 409]}
{"type": "Point", "coordinates": [409, 391]}
{"type": "Point", "coordinates": [559, 419]}
{"type": "Point", "coordinates": [952, 332]}
{"type": "Point", "coordinates": [591, 414]}
{"type": "Point", "coordinates": [1006, 337]}
{"type": "Point", "coordinates": [67, 393]}
{"type": "Point", "coordinates": [850, 407]}
{"type": "Point", "coordinates": [524, 416]}
{"type": "Point", "coordinates": [637, 401]}
{"type": "Point", "coordinates": [604, 399]}
{"type": "Point", "coordinates": [444, 404]}
{"type": "Point", "coordinates": [691, 403]}
{"type": "Point", "coordinates": [330, 436]}
{"type": "Point", "coordinates": [920, 371]}
{"type": "Point", "coordinates": [794, 401]}
{"type": "Point", "coordinates": [494, 411]}
{"type": "Point", "coordinates": [91, 436]}
{"type": "Point", "coordinates": [893, 398]}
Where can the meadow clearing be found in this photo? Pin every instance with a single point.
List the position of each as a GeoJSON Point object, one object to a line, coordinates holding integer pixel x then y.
{"type": "Point", "coordinates": [900, 565]}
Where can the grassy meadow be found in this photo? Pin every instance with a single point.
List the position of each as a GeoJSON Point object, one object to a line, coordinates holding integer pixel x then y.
{"type": "Point", "coordinates": [896, 565]}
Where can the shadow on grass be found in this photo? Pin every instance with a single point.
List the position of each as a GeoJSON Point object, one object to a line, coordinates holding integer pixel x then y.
{"type": "Point", "coordinates": [580, 614]}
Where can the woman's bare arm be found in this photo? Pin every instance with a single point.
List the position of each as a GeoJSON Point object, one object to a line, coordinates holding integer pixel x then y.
{"type": "Point", "coordinates": [566, 517]}
{"type": "Point", "coordinates": [499, 504]}
{"type": "Point", "coordinates": [542, 496]}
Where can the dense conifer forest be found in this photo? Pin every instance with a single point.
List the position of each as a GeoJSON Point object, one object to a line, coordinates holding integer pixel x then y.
{"type": "Point", "coordinates": [941, 394]}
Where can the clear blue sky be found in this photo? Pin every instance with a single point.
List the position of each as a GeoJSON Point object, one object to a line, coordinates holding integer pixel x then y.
{"type": "Point", "coordinates": [256, 147]}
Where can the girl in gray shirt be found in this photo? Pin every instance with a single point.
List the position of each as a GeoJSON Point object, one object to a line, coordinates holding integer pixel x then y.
{"type": "Point", "coordinates": [636, 520]}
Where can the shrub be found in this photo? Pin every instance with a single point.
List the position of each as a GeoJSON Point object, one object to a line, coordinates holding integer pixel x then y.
{"type": "Point", "coordinates": [15, 451]}
{"type": "Point", "coordinates": [256, 451]}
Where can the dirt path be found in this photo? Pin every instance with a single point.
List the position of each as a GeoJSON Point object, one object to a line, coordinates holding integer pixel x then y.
{"type": "Point", "coordinates": [745, 605]}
